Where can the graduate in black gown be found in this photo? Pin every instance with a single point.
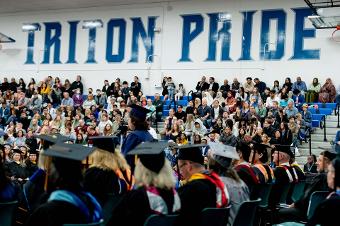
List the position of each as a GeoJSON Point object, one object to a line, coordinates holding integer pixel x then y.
{"type": "Point", "coordinates": [154, 191]}
{"type": "Point", "coordinates": [259, 160]}
{"type": "Point", "coordinates": [109, 173]}
{"type": "Point", "coordinates": [67, 202]}
{"type": "Point", "coordinates": [139, 132]}
{"type": "Point", "coordinates": [8, 190]}
{"type": "Point", "coordinates": [17, 169]}
{"type": "Point", "coordinates": [283, 172]}
{"type": "Point", "coordinates": [201, 189]}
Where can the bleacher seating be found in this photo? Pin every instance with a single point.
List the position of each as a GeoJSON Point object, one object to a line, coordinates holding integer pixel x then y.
{"type": "Point", "coordinates": [325, 111]}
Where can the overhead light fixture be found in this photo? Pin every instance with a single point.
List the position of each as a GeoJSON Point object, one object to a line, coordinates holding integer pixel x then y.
{"type": "Point", "coordinates": [92, 23]}
{"type": "Point", "coordinates": [222, 17]}
{"type": "Point", "coordinates": [6, 39]}
{"type": "Point", "coordinates": [31, 27]}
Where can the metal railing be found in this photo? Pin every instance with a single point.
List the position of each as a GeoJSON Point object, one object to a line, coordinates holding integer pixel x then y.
{"type": "Point", "coordinates": [337, 109]}
{"type": "Point", "coordinates": [324, 128]}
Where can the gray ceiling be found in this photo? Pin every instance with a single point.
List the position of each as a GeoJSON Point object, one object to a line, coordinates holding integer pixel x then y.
{"type": "Point", "coordinates": [14, 6]}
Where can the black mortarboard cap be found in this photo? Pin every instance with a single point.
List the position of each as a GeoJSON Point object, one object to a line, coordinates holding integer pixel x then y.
{"type": "Point", "coordinates": [16, 150]}
{"type": "Point", "coordinates": [285, 149]}
{"type": "Point", "coordinates": [52, 139]}
{"type": "Point", "coordinates": [106, 143]}
{"type": "Point", "coordinates": [260, 148]}
{"type": "Point", "coordinates": [191, 152]}
{"type": "Point", "coordinates": [139, 112]}
{"type": "Point", "coordinates": [151, 154]}
{"type": "Point", "coordinates": [76, 152]}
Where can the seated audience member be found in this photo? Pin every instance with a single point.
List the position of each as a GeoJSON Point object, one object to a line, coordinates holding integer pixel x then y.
{"type": "Point", "coordinates": [306, 115]}
{"type": "Point", "coordinates": [270, 100]}
{"type": "Point", "coordinates": [100, 98]}
{"type": "Point", "coordinates": [200, 87]}
{"type": "Point", "coordinates": [310, 166]}
{"type": "Point", "coordinates": [204, 112]}
{"type": "Point", "coordinates": [235, 86]}
{"type": "Point", "coordinates": [199, 128]}
{"type": "Point", "coordinates": [200, 187]}
{"type": "Point", "coordinates": [67, 202]}
{"type": "Point", "coordinates": [66, 101]}
{"type": "Point", "coordinates": [291, 110]}
{"type": "Point", "coordinates": [155, 188]}
{"type": "Point", "coordinates": [225, 88]}
{"type": "Point", "coordinates": [326, 213]}
{"type": "Point", "coordinates": [248, 85]}
{"type": "Point", "coordinates": [299, 85]}
{"type": "Point", "coordinates": [313, 92]}
{"type": "Point", "coordinates": [77, 98]}
{"type": "Point", "coordinates": [216, 111]}
{"type": "Point", "coordinates": [180, 92]}
{"type": "Point", "coordinates": [260, 85]}
{"type": "Point", "coordinates": [243, 167]}
{"type": "Point", "coordinates": [220, 158]}
{"type": "Point", "coordinates": [77, 84]}
{"type": "Point", "coordinates": [158, 103]}
{"type": "Point", "coordinates": [89, 102]}
{"type": "Point", "coordinates": [181, 114]}
{"type": "Point", "coordinates": [298, 98]}
{"type": "Point", "coordinates": [276, 86]}
{"type": "Point", "coordinates": [327, 92]}
{"type": "Point", "coordinates": [227, 137]}
{"type": "Point", "coordinates": [230, 102]}
{"type": "Point", "coordinates": [213, 86]}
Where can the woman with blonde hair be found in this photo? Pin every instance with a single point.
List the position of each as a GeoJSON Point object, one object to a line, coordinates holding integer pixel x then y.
{"type": "Point", "coordinates": [154, 191]}
{"type": "Point", "coordinates": [109, 172]}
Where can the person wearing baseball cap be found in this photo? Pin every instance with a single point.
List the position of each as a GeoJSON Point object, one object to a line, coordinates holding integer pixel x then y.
{"type": "Point", "coordinates": [200, 187]}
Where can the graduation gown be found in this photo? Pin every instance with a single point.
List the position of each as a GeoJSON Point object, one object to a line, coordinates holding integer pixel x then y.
{"type": "Point", "coordinates": [131, 141]}
{"type": "Point", "coordinates": [58, 213]}
{"type": "Point", "coordinates": [195, 196]}
{"type": "Point", "coordinates": [326, 213]}
{"type": "Point", "coordinates": [100, 183]}
{"type": "Point", "coordinates": [17, 171]}
{"type": "Point", "coordinates": [247, 174]}
{"type": "Point", "coordinates": [282, 178]}
{"type": "Point", "coordinates": [134, 208]}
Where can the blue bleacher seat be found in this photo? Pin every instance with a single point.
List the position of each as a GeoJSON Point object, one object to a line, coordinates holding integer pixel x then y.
{"type": "Point", "coordinates": [186, 98]}
{"type": "Point", "coordinates": [331, 105]}
{"type": "Point", "coordinates": [162, 97]}
{"type": "Point", "coordinates": [326, 111]}
{"type": "Point", "coordinates": [182, 102]}
{"type": "Point", "coordinates": [318, 117]}
{"type": "Point", "coordinates": [150, 97]}
{"type": "Point", "coordinates": [165, 113]}
{"type": "Point", "coordinates": [315, 123]}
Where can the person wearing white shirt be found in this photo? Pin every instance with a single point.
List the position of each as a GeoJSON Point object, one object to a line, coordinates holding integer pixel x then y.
{"type": "Point", "coordinates": [271, 99]}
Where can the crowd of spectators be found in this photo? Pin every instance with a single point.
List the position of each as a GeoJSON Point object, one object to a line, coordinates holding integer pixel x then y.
{"type": "Point", "coordinates": [252, 111]}
{"type": "Point", "coordinates": [262, 123]}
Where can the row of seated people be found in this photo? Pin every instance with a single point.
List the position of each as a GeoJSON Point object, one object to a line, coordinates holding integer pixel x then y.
{"type": "Point", "coordinates": [229, 176]}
